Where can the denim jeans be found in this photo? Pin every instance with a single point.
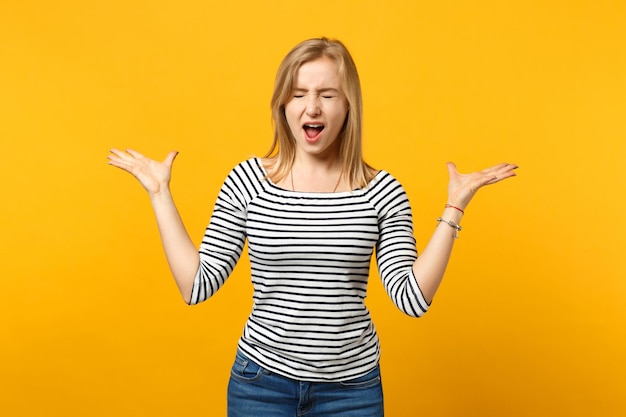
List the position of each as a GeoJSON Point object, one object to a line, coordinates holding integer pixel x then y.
{"type": "Point", "coordinates": [256, 392]}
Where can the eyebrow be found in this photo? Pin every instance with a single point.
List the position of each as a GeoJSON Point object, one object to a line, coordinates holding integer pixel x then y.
{"type": "Point", "coordinates": [321, 90]}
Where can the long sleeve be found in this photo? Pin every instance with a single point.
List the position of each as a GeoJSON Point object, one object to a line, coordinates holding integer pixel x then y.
{"type": "Point", "coordinates": [396, 249]}
{"type": "Point", "coordinates": [225, 236]}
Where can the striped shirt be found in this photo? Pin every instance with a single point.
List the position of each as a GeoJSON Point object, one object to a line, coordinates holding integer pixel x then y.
{"type": "Point", "coordinates": [310, 256]}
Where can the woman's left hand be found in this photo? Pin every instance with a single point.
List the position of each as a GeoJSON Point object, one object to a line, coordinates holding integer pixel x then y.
{"type": "Point", "coordinates": [462, 187]}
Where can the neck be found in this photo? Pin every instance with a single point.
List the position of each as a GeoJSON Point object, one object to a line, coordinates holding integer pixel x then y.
{"type": "Point", "coordinates": [313, 178]}
{"type": "Point", "coordinates": [317, 163]}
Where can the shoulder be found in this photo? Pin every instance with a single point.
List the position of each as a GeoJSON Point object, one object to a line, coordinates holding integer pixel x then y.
{"type": "Point", "coordinates": [383, 180]}
{"type": "Point", "coordinates": [273, 169]}
{"type": "Point", "coordinates": [386, 192]}
{"type": "Point", "coordinates": [371, 173]}
{"type": "Point", "coordinates": [245, 179]}
{"type": "Point", "coordinates": [252, 168]}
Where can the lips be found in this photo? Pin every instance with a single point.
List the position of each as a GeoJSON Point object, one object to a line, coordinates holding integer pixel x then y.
{"type": "Point", "coordinates": [312, 130]}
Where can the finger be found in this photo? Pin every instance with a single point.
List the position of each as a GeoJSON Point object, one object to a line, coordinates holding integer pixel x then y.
{"type": "Point", "coordinates": [115, 157]}
{"type": "Point", "coordinates": [496, 168]}
{"type": "Point", "coordinates": [169, 159]}
{"type": "Point", "coordinates": [506, 171]}
{"type": "Point", "coordinates": [501, 175]}
{"type": "Point", "coordinates": [121, 160]}
{"type": "Point", "coordinates": [118, 153]}
{"type": "Point", "coordinates": [135, 154]}
{"type": "Point", "coordinates": [121, 157]}
{"type": "Point", "coordinates": [119, 163]}
{"type": "Point", "coordinates": [502, 171]}
{"type": "Point", "coordinates": [452, 168]}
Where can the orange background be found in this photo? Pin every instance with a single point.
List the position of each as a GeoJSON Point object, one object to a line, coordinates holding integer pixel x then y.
{"type": "Point", "coordinates": [530, 319]}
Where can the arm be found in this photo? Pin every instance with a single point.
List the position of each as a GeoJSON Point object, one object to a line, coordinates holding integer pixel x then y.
{"type": "Point", "coordinates": [181, 253]}
{"type": "Point", "coordinates": [431, 264]}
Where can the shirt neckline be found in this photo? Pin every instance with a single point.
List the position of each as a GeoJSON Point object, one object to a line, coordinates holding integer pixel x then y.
{"type": "Point", "coordinates": [259, 163]}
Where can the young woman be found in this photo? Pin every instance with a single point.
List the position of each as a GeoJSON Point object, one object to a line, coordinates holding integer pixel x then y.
{"type": "Point", "coordinates": [312, 212]}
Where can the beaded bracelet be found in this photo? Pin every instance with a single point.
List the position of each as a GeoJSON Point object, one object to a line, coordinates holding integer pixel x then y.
{"type": "Point", "coordinates": [451, 224]}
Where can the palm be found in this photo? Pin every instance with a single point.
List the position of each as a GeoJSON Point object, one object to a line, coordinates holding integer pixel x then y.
{"type": "Point", "coordinates": [462, 187]}
{"type": "Point", "coordinates": [152, 175]}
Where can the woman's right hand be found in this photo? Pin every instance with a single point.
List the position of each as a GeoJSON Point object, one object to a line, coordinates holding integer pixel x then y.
{"type": "Point", "coordinates": [154, 176]}
{"type": "Point", "coordinates": [180, 251]}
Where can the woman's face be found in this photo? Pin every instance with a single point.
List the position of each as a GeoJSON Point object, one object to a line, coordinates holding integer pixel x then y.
{"type": "Point", "coordinates": [317, 109]}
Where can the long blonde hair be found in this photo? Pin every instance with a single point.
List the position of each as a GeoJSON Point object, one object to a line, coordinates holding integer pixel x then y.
{"type": "Point", "coordinates": [283, 148]}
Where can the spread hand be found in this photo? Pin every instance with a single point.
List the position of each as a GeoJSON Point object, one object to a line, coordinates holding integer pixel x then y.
{"type": "Point", "coordinates": [154, 176]}
{"type": "Point", "coordinates": [462, 187]}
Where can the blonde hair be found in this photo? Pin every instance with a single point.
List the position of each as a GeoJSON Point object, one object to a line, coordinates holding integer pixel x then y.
{"type": "Point", "coordinates": [283, 148]}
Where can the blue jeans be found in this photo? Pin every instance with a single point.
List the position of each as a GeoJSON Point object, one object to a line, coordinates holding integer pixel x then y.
{"type": "Point", "coordinates": [256, 392]}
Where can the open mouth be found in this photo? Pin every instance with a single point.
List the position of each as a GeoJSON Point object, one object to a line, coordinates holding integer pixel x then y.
{"type": "Point", "coordinates": [313, 130]}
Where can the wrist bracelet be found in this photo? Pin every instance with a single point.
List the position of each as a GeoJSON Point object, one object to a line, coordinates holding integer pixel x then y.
{"type": "Point", "coordinates": [451, 224]}
{"type": "Point", "coordinates": [456, 208]}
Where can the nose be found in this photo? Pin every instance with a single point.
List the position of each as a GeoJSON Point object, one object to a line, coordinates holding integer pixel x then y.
{"type": "Point", "coordinates": [313, 106]}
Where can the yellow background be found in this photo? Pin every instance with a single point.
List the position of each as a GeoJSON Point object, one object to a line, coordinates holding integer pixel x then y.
{"type": "Point", "coordinates": [530, 319]}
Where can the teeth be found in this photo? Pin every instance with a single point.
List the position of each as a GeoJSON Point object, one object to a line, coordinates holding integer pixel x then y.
{"type": "Point", "coordinates": [314, 126]}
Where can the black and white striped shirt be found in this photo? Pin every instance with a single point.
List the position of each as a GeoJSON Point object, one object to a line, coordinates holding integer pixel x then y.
{"type": "Point", "coordinates": [310, 256]}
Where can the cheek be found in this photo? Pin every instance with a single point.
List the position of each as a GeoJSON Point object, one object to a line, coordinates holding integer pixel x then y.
{"type": "Point", "coordinates": [293, 122]}
{"type": "Point", "coordinates": [341, 117]}
{"type": "Point", "coordinates": [341, 110]}
{"type": "Point", "coordinates": [292, 110]}
{"type": "Point", "coordinates": [290, 117]}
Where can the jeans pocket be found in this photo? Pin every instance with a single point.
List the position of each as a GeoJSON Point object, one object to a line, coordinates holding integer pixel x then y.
{"type": "Point", "coordinates": [244, 370]}
{"type": "Point", "coordinates": [368, 380]}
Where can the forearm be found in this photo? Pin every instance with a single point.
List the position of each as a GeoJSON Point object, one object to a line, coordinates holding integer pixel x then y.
{"type": "Point", "coordinates": [430, 266]}
{"type": "Point", "coordinates": [180, 251]}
